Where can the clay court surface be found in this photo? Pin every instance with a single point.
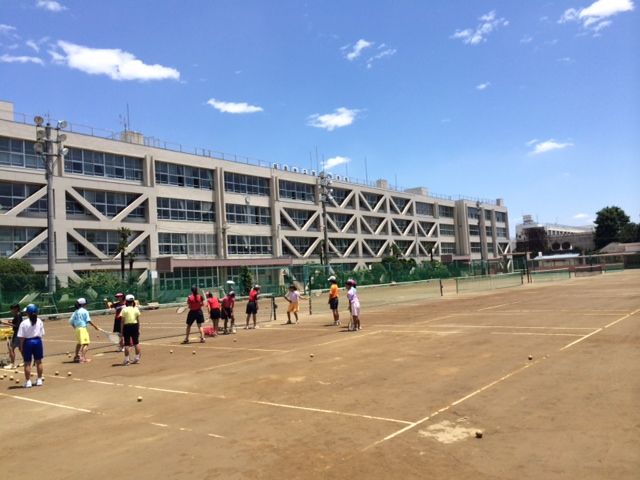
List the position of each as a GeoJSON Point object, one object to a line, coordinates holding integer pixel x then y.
{"type": "Point", "coordinates": [403, 398]}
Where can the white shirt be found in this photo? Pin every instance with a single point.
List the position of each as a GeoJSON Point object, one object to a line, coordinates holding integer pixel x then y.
{"type": "Point", "coordinates": [26, 330]}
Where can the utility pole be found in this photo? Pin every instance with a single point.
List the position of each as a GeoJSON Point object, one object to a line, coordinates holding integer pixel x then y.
{"type": "Point", "coordinates": [44, 147]}
{"type": "Point", "coordinates": [325, 196]}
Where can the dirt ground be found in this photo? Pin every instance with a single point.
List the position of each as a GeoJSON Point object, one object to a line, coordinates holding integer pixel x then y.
{"type": "Point", "coordinates": [403, 398]}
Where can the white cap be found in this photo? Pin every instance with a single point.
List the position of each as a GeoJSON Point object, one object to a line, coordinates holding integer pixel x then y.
{"type": "Point", "coordinates": [81, 301]}
{"type": "Point", "coordinates": [332, 278]}
{"type": "Point", "coordinates": [129, 298]}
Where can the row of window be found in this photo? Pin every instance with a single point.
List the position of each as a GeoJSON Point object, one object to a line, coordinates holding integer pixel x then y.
{"type": "Point", "coordinates": [12, 194]}
{"type": "Point", "coordinates": [100, 164]}
{"type": "Point", "coordinates": [185, 210]}
{"type": "Point", "coordinates": [19, 153]}
{"type": "Point", "coordinates": [192, 244]}
{"type": "Point", "coordinates": [183, 176]}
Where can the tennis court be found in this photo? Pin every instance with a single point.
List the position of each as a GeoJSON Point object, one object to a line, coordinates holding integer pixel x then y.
{"type": "Point", "coordinates": [403, 398]}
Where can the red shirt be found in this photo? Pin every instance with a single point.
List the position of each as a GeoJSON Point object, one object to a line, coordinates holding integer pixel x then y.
{"type": "Point", "coordinates": [214, 303]}
{"type": "Point", "coordinates": [228, 302]}
{"type": "Point", "coordinates": [194, 301]}
{"type": "Point", "coordinates": [253, 295]}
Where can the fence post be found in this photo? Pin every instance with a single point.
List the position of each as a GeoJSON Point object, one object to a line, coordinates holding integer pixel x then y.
{"type": "Point", "coordinates": [310, 304]}
{"type": "Point", "coordinates": [274, 307]}
{"type": "Point", "coordinates": [441, 287]}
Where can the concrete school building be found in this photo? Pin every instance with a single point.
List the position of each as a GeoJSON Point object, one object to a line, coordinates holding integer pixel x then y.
{"type": "Point", "coordinates": [198, 216]}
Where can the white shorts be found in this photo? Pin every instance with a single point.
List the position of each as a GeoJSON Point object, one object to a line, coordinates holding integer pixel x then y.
{"type": "Point", "coordinates": [355, 309]}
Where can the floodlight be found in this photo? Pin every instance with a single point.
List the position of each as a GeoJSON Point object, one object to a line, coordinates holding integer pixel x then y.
{"type": "Point", "coordinates": [38, 148]}
{"type": "Point", "coordinates": [62, 137]}
{"type": "Point", "coordinates": [40, 134]}
{"type": "Point", "coordinates": [64, 151]}
{"type": "Point", "coordinates": [62, 124]}
{"type": "Point", "coordinates": [38, 120]}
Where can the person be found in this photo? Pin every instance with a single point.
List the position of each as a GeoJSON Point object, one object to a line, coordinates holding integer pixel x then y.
{"type": "Point", "coordinates": [118, 305]}
{"type": "Point", "coordinates": [252, 306]}
{"type": "Point", "coordinates": [333, 299]}
{"type": "Point", "coordinates": [130, 328]}
{"type": "Point", "coordinates": [13, 342]}
{"type": "Point", "coordinates": [228, 302]}
{"type": "Point", "coordinates": [213, 306]}
{"type": "Point", "coordinates": [79, 321]}
{"type": "Point", "coordinates": [195, 303]}
{"type": "Point", "coordinates": [354, 305]}
{"type": "Point", "coordinates": [293, 297]}
{"type": "Point", "coordinates": [30, 333]}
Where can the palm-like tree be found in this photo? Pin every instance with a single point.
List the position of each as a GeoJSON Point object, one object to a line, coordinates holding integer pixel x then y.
{"type": "Point", "coordinates": [123, 244]}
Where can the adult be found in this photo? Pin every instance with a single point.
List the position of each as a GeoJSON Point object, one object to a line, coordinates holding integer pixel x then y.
{"type": "Point", "coordinates": [252, 306]}
{"type": "Point", "coordinates": [30, 333]}
{"type": "Point", "coordinates": [195, 302]}
{"type": "Point", "coordinates": [130, 329]}
{"type": "Point", "coordinates": [333, 299]}
{"type": "Point", "coordinates": [118, 305]}
{"type": "Point", "coordinates": [354, 305]}
{"type": "Point", "coordinates": [228, 303]}
{"type": "Point", "coordinates": [13, 342]}
{"type": "Point", "coordinates": [213, 306]}
{"type": "Point", "coordinates": [79, 320]}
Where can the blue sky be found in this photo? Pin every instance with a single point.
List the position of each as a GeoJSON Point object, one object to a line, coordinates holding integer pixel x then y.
{"type": "Point", "coordinates": [534, 102]}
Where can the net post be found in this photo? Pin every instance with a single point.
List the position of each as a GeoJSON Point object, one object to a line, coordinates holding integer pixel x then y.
{"type": "Point", "coordinates": [441, 287]}
{"type": "Point", "coordinates": [310, 303]}
{"type": "Point", "coordinates": [273, 307]}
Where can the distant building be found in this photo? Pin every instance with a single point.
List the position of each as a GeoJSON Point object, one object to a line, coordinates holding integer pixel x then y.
{"type": "Point", "coordinates": [559, 238]}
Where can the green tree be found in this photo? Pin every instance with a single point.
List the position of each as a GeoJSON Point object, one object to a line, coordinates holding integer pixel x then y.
{"type": "Point", "coordinates": [609, 223]}
{"type": "Point", "coordinates": [629, 233]}
{"type": "Point", "coordinates": [15, 266]}
{"type": "Point", "coordinates": [246, 280]}
{"type": "Point", "coordinates": [123, 244]}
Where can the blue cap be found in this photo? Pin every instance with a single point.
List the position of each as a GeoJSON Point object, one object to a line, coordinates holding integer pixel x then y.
{"type": "Point", "coordinates": [32, 308]}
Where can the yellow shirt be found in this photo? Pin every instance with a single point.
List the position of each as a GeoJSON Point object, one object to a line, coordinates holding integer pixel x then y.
{"type": "Point", "coordinates": [333, 291]}
{"type": "Point", "coordinates": [130, 315]}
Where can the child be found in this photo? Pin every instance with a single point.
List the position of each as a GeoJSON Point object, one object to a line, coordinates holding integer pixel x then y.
{"type": "Point", "coordinates": [213, 305]}
{"type": "Point", "coordinates": [252, 306]}
{"type": "Point", "coordinates": [333, 300]}
{"type": "Point", "coordinates": [293, 297]}
{"type": "Point", "coordinates": [354, 305]}
{"type": "Point", "coordinates": [30, 333]}
{"type": "Point", "coordinates": [118, 305]}
{"type": "Point", "coordinates": [195, 314]}
{"type": "Point", "coordinates": [228, 302]}
{"type": "Point", "coordinates": [14, 341]}
{"type": "Point", "coordinates": [130, 329]}
{"type": "Point", "coordinates": [79, 321]}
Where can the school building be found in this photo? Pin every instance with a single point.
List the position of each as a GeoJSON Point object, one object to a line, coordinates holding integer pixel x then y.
{"type": "Point", "coordinates": [203, 215]}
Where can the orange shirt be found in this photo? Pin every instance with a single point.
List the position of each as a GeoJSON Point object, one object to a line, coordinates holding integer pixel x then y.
{"type": "Point", "coordinates": [333, 291]}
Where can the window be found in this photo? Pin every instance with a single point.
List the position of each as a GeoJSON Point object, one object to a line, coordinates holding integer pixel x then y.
{"type": "Point", "coordinates": [107, 241]}
{"type": "Point", "coordinates": [13, 239]}
{"type": "Point", "coordinates": [488, 230]}
{"type": "Point", "coordinates": [401, 203]}
{"type": "Point", "coordinates": [490, 248]}
{"type": "Point", "coordinates": [375, 245]}
{"type": "Point", "coordinates": [487, 215]}
{"type": "Point", "coordinates": [341, 220]}
{"type": "Point", "coordinates": [427, 226]}
{"type": "Point", "coordinates": [473, 212]}
{"type": "Point", "coordinates": [19, 153]}
{"type": "Point", "coordinates": [341, 244]}
{"type": "Point", "coordinates": [301, 244]}
{"type": "Point", "coordinates": [191, 244]}
{"type": "Point", "coordinates": [11, 194]}
{"type": "Point", "coordinates": [474, 230]}
{"type": "Point", "coordinates": [372, 200]}
{"type": "Point", "coordinates": [300, 217]}
{"type": "Point", "coordinates": [424, 209]}
{"type": "Point", "coordinates": [401, 224]}
{"type": "Point", "coordinates": [501, 232]}
{"type": "Point", "coordinates": [373, 222]}
{"type": "Point", "coordinates": [445, 211]}
{"type": "Point", "coordinates": [476, 247]}
{"type": "Point", "coordinates": [339, 195]}
{"type": "Point", "coordinates": [248, 214]}
{"type": "Point", "coordinates": [107, 203]}
{"type": "Point", "coordinates": [246, 184]}
{"type": "Point", "coordinates": [297, 191]}
{"type": "Point", "coordinates": [447, 248]}
{"type": "Point", "coordinates": [447, 230]}
{"type": "Point", "coordinates": [185, 210]}
{"type": "Point", "coordinates": [100, 164]}
{"type": "Point", "coordinates": [76, 250]}
{"type": "Point", "coordinates": [183, 176]}
{"type": "Point", "coordinates": [248, 245]}
{"type": "Point", "coordinates": [501, 217]}
{"type": "Point", "coordinates": [181, 279]}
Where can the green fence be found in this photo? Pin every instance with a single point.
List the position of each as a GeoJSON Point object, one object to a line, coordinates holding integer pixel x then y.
{"type": "Point", "coordinates": [549, 275]}
{"type": "Point", "coordinates": [490, 282]}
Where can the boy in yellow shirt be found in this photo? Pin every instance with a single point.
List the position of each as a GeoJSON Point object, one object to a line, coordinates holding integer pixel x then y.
{"type": "Point", "coordinates": [131, 328]}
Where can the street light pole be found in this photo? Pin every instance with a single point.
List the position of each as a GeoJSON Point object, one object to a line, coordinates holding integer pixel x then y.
{"type": "Point", "coordinates": [325, 196]}
{"type": "Point", "coordinates": [44, 146]}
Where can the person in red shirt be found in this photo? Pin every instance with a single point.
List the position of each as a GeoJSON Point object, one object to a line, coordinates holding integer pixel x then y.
{"type": "Point", "coordinates": [228, 302]}
{"type": "Point", "coordinates": [252, 306]}
{"type": "Point", "coordinates": [118, 305]}
{"type": "Point", "coordinates": [195, 302]}
{"type": "Point", "coordinates": [213, 305]}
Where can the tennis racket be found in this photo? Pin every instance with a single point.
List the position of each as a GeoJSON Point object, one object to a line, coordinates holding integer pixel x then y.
{"type": "Point", "coordinates": [114, 337]}
{"type": "Point", "coordinates": [181, 309]}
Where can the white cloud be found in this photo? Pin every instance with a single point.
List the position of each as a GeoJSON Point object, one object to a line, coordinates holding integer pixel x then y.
{"type": "Point", "coordinates": [526, 39]}
{"type": "Point", "coordinates": [383, 52]}
{"type": "Point", "coordinates": [531, 142]}
{"type": "Point", "coordinates": [233, 107]}
{"type": "Point", "coordinates": [546, 146]}
{"type": "Point", "coordinates": [356, 49]}
{"type": "Point", "coordinates": [32, 45]}
{"type": "Point", "coordinates": [483, 86]}
{"type": "Point", "coordinates": [342, 117]}
{"type": "Point", "coordinates": [581, 216]}
{"type": "Point", "coordinates": [488, 23]}
{"type": "Point", "coordinates": [334, 162]}
{"type": "Point", "coordinates": [50, 5]}
{"type": "Point", "coordinates": [20, 59]}
{"type": "Point", "coordinates": [112, 62]}
{"type": "Point", "coordinates": [8, 31]}
{"type": "Point", "coordinates": [593, 17]}
{"type": "Point", "coordinates": [565, 60]}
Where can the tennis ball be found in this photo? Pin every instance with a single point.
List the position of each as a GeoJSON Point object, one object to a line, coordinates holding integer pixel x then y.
{"type": "Point", "coordinates": [170, 351]}
{"type": "Point", "coordinates": [57, 373]}
{"type": "Point", "coordinates": [68, 374]}
{"type": "Point", "coordinates": [11, 379]}
{"type": "Point", "coordinates": [530, 357]}
{"type": "Point", "coordinates": [193, 353]}
{"type": "Point", "coordinates": [235, 340]}
{"type": "Point", "coordinates": [139, 399]}
{"type": "Point", "coordinates": [17, 380]}
{"type": "Point", "coordinates": [32, 374]}
{"type": "Point", "coordinates": [311, 355]}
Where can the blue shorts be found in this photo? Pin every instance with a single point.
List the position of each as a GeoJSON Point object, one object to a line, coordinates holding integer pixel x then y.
{"type": "Point", "coordinates": [32, 349]}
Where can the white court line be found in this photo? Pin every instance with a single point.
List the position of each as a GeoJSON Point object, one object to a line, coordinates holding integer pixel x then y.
{"type": "Point", "coordinates": [589, 313]}
{"type": "Point", "coordinates": [621, 318]}
{"type": "Point", "coordinates": [453, 404]}
{"type": "Point", "coordinates": [222, 365]}
{"type": "Point", "coordinates": [497, 306]}
{"type": "Point", "coordinates": [348, 336]}
{"type": "Point", "coordinates": [539, 334]}
{"type": "Point", "coordinates": [432, 332]}
{"type": "Point", "coordinates": [163, 425]}
{"type": "Point", "coordinates": [59, 405]}
{"type": "Point", "coordinates": [624, 317]}
{"type": "Point", "coordinates": [333, 412]}
{"type": "Point", "coordinates": [212, 347]}
{"type": "Point", "coordinates": [515, 327]}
